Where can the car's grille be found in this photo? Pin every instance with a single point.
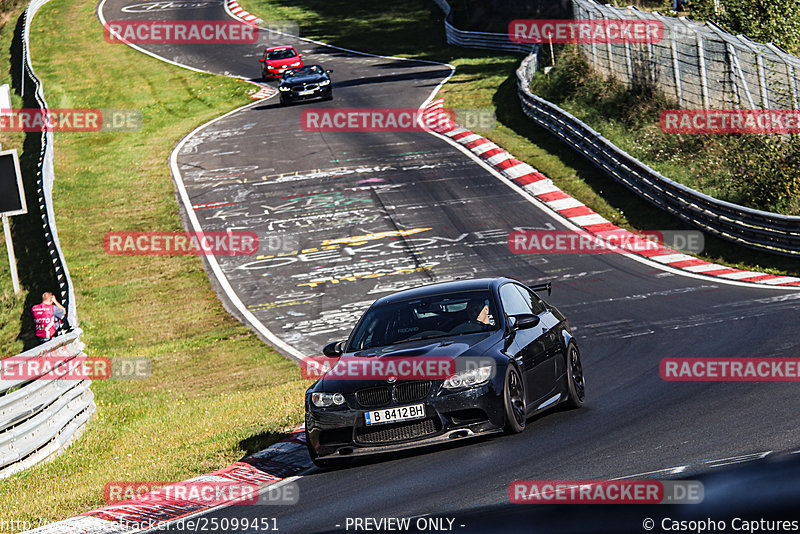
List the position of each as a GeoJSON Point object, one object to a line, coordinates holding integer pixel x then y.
{"type": "Point", "coordinates": [395, 432]}
{"type": "Point", "coordinates": [305, 87]}
{"type": "Point", "coordinates": [374, 397]}
{"type": "Point", "coordinates": [412, 391]}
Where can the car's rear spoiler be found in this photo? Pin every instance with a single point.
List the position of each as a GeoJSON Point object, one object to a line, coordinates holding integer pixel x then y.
{"type": "Point", "coordinates": [541, 287]}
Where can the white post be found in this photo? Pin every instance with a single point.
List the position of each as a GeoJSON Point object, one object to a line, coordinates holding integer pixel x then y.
{"type": "Point", "coordinates": [22, 72]}
{"type": "Point", "coordinates": [676, 67]}
{"type": "Point", "coordinates": [12, 260]}
{"type": "Point", "coordinates": [702, 68]}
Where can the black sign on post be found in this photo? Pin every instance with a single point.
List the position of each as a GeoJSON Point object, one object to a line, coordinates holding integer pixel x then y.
{"type": "Point", "coordinates": [12, 195]}
{"type": "Point", "coordinates": [12, 202]}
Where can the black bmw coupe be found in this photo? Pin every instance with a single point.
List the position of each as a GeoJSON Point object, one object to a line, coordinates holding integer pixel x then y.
{"type": "Point", "coordinates": [442, 362]}
{"type": "Point", "coordinates": [304, 83]}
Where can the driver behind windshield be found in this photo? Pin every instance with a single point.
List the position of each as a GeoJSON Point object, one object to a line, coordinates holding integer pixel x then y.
{"type": "Point", "coordinates": [478, 311]}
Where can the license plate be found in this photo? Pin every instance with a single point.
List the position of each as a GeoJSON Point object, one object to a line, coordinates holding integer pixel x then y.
{"type": "Point", "coordinates": [310, 92]}
{"type": "Point", "coordinates": [391, 415]}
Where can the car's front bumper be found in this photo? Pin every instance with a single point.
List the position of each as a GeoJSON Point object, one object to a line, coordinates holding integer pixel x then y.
{"type": "Point", "coordinates": [275, 73]}
{"type": "Point", "coordinates": [321, 92]}
{"type": "Point", "coordinates": [340, 432]}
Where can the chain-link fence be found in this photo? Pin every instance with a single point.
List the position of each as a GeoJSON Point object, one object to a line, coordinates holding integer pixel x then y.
{"type": "Point", "coordinates": [699, 65]}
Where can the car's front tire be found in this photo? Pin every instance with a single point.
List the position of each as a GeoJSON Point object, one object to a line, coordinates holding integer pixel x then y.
{"type": "Point", "coordinates": [576, 383]}
{"type": "Point", "coordinates": [285, 101]}
{"type": "Point", "coordinates": [514, 401]}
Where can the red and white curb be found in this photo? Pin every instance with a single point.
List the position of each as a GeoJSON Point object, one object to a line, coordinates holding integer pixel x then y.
{"type": "Point", "coordinates": [239, 13]}
{"type": "Point", "coordinates": [282, 460]}
{"type": "Point", "coordinates": [541, 187]}
{"type": "Point", "coordinates": [264, 91]}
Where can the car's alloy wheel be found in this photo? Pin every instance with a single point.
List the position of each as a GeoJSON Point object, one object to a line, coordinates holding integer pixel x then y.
{"type": "Point", "coordinates": [514, 401]}
{"type": "Point", "coordinates": [576, 384]}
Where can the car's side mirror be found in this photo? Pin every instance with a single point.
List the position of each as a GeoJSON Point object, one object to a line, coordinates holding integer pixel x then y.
{"type": "Point", "coordinates": [335, 349]}
{"type": "Point", "coordinates": [329, 71]}
{"type": "Point", "coordinates": [300, 54]}
{"type": "Point", "coordinates": [261, 59]}
{"type": "Point", "coordinates": [522, 322]}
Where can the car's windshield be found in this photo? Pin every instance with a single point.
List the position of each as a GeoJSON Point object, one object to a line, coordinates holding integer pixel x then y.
{"type": "Point", "coordinates": [303, 71]}
{"type": "Point", "coordinates": [442, 315]}
{"type": "Point", "coordinates": [284, 53]}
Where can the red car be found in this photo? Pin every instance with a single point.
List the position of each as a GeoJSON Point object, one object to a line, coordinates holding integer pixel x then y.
{"type": "Point", "coordinates": [277, 59]}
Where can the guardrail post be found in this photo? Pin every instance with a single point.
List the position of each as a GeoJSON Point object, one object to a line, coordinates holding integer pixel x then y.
{"type": "Point", "coordinates": [676, 67]}
{"type": "Point", "coordinates": [702, 67]}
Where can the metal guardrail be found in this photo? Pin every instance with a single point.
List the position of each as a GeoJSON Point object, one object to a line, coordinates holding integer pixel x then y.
{"type": "Point", "coordinates": [45, 176]}
{"type": "Point", "coordinates": [756, 229]}
{"type": "Point", "coordinates": [39, 417]}
{"type": "Point", "coordinates": [482, 40]}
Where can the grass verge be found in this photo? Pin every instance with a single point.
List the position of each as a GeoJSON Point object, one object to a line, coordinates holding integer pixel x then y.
{"type": "Point", "coordinates": [486, 79]}
{"type": "Point", "coordinates": [217, 392]}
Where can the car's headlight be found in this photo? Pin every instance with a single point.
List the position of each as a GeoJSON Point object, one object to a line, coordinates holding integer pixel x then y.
{"type": "Point", "coordinates": [284, 88]}
{"type": "Point", "coordinates": [295, 64]}
{"type": "Point", "coordinates": [468, 379]}
{"type": "Point", "coordinates": [321, 400]}
{"type": "Point", "coordinates": [324, 82]}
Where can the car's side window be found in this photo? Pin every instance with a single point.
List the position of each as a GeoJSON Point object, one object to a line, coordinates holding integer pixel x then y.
{"type": "Point", "coordinates": [533, 300]}
{"type": "Point", "coordinates": [513, 301]}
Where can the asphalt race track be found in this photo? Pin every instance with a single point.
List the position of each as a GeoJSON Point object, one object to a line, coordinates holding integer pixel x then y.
{"type": "Point", "coordinates": [358, 215]}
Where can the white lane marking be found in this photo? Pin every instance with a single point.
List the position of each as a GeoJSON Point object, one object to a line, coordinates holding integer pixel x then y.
{"type": "Point", "coordinates": [212, 260]}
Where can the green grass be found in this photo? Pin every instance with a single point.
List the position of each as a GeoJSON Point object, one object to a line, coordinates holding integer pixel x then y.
{"type": "Point", "coordinates": [217, 393]}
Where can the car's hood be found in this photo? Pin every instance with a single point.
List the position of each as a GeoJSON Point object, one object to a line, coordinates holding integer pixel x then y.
{"type": "Point", "coordinates": [299, 80]}
{"type": "Point", "coordinates": [282, 62]}
{"type": "Point", "coordinates": [438, 350]}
